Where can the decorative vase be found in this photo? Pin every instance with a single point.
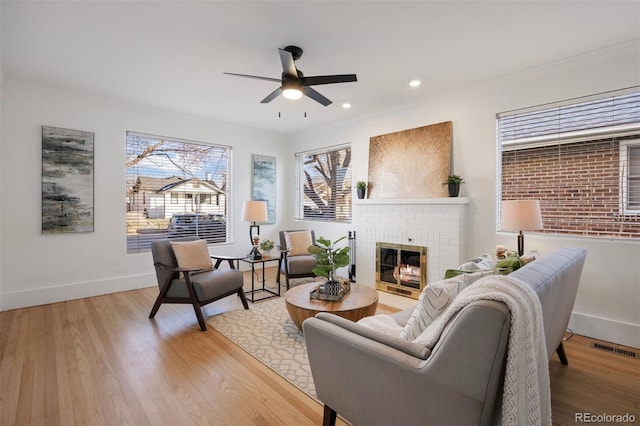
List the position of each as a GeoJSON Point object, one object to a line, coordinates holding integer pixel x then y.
{"type": "Point", "coordinates": [332, 286]}
{"type": "Point", "coordinates": [454, 189]}
{"type": "Point", "coordinates": [360, 193]}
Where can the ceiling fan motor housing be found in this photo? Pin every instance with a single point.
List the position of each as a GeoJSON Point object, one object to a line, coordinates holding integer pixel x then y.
{"type": "Point", "coordinates": [296, 52]}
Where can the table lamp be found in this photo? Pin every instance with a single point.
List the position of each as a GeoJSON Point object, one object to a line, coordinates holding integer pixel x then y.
{"type": "Point", "coordinates": [254, 211]}
{"type": "Point", "coordinates": [520, 215]}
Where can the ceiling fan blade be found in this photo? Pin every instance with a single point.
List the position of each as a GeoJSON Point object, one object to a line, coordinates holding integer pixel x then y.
{"type": "Point", "coordinates": [272, 96]}
{"type": "Point", "coordinates": [316, 96]}
{"type": "Point", "coordinates": [329, 79]}
{"type": "Point", "coordinates": [288, 65]}
{"type": "Point", "coordinates": [277, 80]}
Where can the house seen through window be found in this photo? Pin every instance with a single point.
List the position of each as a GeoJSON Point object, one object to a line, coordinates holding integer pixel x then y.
{"type": "Point", "coordinates": [176, 188]}
{"type": "Point", "coordinates": [581, 159]}
{"type": "Point", "coordinates": [323, 185]}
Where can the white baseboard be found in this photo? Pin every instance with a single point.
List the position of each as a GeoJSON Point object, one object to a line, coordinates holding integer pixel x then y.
{"type": "Point", "coordinates": [61, 293]}
{"type": "Point", "coordinates": [605, 329]}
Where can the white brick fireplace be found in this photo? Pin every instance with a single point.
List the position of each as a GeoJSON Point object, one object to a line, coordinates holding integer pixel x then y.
{"type": "Point", "coordinates": [436, 223]}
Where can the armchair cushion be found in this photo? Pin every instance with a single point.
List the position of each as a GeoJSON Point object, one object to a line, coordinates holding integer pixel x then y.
{"type": "Point", "coordinates": [192, 254]}
{"type": "Point", "coordinates": [226, 281]}
{"type": "Point", "coordinates": [299, 265]}
{"type": "Point", "coordinates": [298, 242]}
{"type": "Point", "coordinates": [434, 299]}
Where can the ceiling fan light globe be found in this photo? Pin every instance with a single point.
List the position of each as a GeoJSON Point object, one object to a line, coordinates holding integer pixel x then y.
{"type": "Point", "coordinates": [292, 94]}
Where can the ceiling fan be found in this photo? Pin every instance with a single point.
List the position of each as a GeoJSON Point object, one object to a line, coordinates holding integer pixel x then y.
{"type": "Point", "coordinates": [293, 83]}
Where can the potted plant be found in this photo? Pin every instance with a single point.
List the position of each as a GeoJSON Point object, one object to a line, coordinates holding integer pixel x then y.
{"type": "Point", "coordinates": [266, 246]}
{"type": "Point", "coordinates": [453, 182]}
{"type": "Point", "coordinates": [361, 187]}
{"type": "Point", "coordinates": [328, 260]}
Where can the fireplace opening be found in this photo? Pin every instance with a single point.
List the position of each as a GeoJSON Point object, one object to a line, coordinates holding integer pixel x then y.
{"type": "Point", "coordinates": [401, 269]}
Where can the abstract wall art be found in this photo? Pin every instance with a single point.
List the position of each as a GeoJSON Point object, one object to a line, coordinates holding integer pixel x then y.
{"type": "Point", "coordinates": [264, 183]}
{"type": "Point", "coordinates": [411, 163]}
{"type": "Point", "coordinates": [67, 180]}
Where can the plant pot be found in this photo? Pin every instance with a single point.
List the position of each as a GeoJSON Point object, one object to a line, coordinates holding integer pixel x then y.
{"type": "Point", "coordinates": [454, 189]}
{"type": "Point", "coordinates": [361, 193]}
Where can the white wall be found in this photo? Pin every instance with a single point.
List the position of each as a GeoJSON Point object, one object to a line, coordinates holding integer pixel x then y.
{"type": "Point", "coordinates": [37, 268]}
{"type": "Point", "coordinates": [608, 301]}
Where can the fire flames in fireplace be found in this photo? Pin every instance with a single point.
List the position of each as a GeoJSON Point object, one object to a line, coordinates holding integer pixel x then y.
{"type": "Point", "coordinates": [408, 275]}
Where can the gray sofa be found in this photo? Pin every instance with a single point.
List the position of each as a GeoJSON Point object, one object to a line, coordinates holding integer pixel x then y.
{"type": "Point", "coordinates": [374, 379]}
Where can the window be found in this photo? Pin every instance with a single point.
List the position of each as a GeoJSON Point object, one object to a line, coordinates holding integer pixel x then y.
{"type": "Point", "coordinates": [580, 159]}
{"type": "Point", "coordinates": [630, 167]}
{"type": "Point", "coordinates": [323, 185]}
{"type": "Point", "coordinates": [170, 183]}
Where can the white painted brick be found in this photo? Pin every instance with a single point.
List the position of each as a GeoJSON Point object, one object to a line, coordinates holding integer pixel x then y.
{"type": "Point", "coordinates": [440, 228]}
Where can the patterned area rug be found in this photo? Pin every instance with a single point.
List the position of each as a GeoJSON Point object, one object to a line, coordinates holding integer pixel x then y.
{"type": "Point", "coordinates": [266, 332]}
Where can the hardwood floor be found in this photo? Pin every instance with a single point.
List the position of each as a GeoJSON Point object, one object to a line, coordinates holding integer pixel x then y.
{"type": "Point", "coordinates": [101, 361]}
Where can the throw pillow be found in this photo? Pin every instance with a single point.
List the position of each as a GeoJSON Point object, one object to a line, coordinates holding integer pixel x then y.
{"type": "Point", "coordinates": [481, 263]}
{"type": "Point", "coordinates": [298, 242]}
{"type": "Point", "coordinates": [192, 254]}
{"type": "Point", "coordinates": [434, 299]}
{"type": "Point", "coordinates": [511, 263]}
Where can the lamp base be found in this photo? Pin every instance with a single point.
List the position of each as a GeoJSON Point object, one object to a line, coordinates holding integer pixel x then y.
{"type": "Point", "coordinates": [255, 254]}
{"type": "Point", "coordinates": [520, 244]}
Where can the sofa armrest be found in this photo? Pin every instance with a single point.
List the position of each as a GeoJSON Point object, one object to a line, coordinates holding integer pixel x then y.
{"type": "Point", "coordinates": [410, 348]}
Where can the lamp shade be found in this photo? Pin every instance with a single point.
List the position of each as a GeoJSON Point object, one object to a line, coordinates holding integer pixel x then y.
{"type": "Point", "coordinates": [521, 215]}
{"type": "Point", "coordinates": [254, 211]}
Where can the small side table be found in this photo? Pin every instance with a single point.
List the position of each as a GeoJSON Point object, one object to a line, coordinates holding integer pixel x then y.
{"type": "Point", "coordinates": [221, 258]}
{"type": "Point", "coordinates": [253, 263]}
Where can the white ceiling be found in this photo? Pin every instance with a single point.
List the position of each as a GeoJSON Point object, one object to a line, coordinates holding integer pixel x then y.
{"type": "Point", "coordinates": [172, 54]}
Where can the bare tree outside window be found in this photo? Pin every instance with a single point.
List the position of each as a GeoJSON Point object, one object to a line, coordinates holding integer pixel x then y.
{"type": "Point", "coordinates": [324, 185]}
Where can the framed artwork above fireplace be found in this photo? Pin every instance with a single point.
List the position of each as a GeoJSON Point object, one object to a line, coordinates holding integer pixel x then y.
{"type": "Point", "coordinates": [411, 163]}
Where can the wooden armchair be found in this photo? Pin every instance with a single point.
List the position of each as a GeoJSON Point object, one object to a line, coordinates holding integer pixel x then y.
{"type": "Point", "coordinates": [193, 286]}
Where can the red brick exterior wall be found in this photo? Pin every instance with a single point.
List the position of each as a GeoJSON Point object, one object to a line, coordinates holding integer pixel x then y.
{"type": "Point", "coordinates": [578, 185]}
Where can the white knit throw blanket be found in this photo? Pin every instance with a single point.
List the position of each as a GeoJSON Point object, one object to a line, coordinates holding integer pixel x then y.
{"type": "Point", "coordinates": [526, 395]}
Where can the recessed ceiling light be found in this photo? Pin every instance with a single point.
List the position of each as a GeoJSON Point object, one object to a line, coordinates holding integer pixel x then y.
{"type": "Point", "coordinates": [346, 105]}
{"type": "Point", "coordinates": [414, 83]}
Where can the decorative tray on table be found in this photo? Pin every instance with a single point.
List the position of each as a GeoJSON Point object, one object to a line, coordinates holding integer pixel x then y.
{"type": "Point", "coordinates": [332, 292]}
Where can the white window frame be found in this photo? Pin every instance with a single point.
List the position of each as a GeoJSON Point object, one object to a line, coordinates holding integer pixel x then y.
{"type": "Point", "coordinates": [607, 115]}
{"type": "Point", "coordinates": [168, 165]}
{"type": "Point", "coordinates": [299, 182]}
{"type": "Point", "coordinates": [624, 176]}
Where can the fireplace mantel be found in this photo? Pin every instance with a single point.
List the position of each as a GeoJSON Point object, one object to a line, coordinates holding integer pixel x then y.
{"type": "Point", "coordinates": [426, 201]}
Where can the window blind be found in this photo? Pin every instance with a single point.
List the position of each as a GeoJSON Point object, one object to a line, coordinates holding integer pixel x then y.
{"type": "Point", "coordinates": [568, 155]}
{"type": "Point", "coordinates": [176, 188]}
{"type": "Point", "coordinates": [323, 185]}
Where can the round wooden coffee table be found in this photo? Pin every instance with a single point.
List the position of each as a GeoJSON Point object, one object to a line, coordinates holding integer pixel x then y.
{"type": "Point", "coordinates": [361, 301]}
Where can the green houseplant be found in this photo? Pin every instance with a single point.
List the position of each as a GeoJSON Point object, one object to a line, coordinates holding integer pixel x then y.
{"type": "Point", "coordinates": [453, 182]}
{"type": "Point", "coordinates": [361, 187]}
{"type": "Point", "coordinates": [266, 245]}
{"type": "Point", "coordinates": [329, 258]}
